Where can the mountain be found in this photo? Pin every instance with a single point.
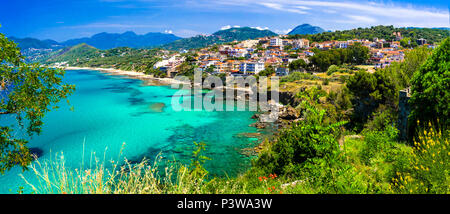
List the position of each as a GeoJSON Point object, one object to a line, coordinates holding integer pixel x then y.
{"type": "Point", "coordinates": [219, 37]}
{"type": "Point", "coordinates": [306, 29]}
{"type": "Point", "coordinates": [128, 39]}
{"type": "Point", "coordinates": [27, 43]}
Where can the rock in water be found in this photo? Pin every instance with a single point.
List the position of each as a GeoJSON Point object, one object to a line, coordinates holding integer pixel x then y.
{"type": "Point", "coordinates": [255, 116]}
{"type": "Point", "coordinates": [259, 125]}
{"type": "Point", "coordinates": [157, 107]}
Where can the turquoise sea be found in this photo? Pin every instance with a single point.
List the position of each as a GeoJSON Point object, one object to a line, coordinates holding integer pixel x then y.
{"type": "Point", "coordinates": [112, 111]}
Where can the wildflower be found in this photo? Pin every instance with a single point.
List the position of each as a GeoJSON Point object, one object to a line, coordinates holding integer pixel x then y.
{"type": "Point", "coordinates": [260, 178]}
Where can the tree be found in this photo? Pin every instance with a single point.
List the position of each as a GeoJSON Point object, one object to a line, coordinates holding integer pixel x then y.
{"type": "Point", "coordinates": [405, 70]}
{"type": "Point", "coordinates": [431, 89]}
{"type": "Point", "coordinates": [359, 54]}
{"type": "Point", "coordinates": [210, 69]}
{"type": "Point", "coordinates": [354, 54]}
{"type": "Point", "coordinates": [297, 65]}
{"type": "Point", "coordinates": [267, 72]}
{"type": "Point", "coordinates": [369, 92]}
{"type": "Point", "coordinates": [27, 91]}
{"type": "Point", "coordinates": [408, 43]}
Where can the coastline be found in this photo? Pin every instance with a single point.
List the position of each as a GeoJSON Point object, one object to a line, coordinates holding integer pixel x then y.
{"type": "Point", "coordinates": [153, 81]}
{"type": "Point", "coordinates": [150, 80]}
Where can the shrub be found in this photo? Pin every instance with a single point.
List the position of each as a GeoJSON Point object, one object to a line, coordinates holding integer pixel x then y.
{"type": "Point", "coordinates": [429, 165]}
{"type": "Point", "coordinates": [332, 69]}
{"type": "Point", "coordinates": [305, 141]}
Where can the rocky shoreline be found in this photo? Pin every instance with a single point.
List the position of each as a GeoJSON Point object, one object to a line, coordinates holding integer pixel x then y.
{"type": "Point", "coordinates": [287, 115]}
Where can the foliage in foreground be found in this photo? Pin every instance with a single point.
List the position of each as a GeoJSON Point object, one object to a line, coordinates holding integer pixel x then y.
{"type": "Point", "coordinates": [27, 92]}
{"type": "Point", "coordinates": [306, 158]}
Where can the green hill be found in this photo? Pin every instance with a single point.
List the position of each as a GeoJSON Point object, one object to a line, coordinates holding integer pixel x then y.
{"type": "Point", "coordinates": [219, 37]}
{"type": "Point", "coordinates": [77, 53]}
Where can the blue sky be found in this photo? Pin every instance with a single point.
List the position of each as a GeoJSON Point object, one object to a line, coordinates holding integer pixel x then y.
{"type": "Point", "coordinates": [65, 19]}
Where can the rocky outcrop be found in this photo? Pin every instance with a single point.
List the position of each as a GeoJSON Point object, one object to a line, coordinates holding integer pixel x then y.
{"type": "Point", "coordinates": [289, 98]}
{"type": "Point", "coordinates": [289, 113]}
{"type": "Point", "coordinates": [259, 125]}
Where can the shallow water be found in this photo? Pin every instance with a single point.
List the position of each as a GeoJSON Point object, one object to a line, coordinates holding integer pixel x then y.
{"type": "Point", "coordinates": [110, 111]}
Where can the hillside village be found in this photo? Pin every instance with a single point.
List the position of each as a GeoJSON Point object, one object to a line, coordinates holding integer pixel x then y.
{"type": "Point", "coordinates": [250, 57]}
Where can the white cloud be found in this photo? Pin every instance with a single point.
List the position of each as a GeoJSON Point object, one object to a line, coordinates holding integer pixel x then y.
{"type": "Point", "coordinates": [225, 27]}
{"type": "Point", "coordinates": [168, 31]}
{"type": "Point", "coordinates": [288, 8]}
{"type": "Point", "coordinates": [358, 19]}
{"type": "Point", "coordinates": [260, 28]}
{"type": "Point", "coordinates": [283, 32]}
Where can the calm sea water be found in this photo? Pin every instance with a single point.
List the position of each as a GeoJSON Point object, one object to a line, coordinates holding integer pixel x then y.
{"type": "Point", "coordinates": [110, 111]}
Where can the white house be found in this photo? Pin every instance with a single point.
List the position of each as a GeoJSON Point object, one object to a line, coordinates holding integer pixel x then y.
{"type": "Point", "coordinates": [251, 68]}
{"type": "Point", "coordinates": [276, 42]}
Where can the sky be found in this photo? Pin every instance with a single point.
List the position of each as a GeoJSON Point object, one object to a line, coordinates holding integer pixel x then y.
{"type": "Point", "coordinates": [61, 20]}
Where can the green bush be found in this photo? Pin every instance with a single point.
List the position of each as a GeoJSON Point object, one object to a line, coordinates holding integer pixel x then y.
{"type": "Point", "coordinates": [332, 69]}
{"type": "Point", "coordinates": [428, 167]}
{"type": "Point", "coordinates": [304, 142]}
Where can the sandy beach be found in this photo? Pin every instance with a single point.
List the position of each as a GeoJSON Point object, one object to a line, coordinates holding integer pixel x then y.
{"type": "Point", "coordinates": [149, 79]}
